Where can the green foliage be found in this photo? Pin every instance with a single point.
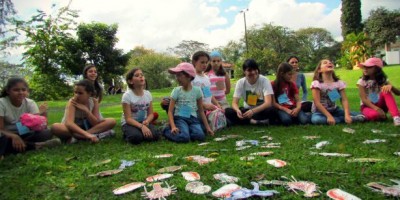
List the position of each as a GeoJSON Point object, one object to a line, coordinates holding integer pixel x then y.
{"type": "Point", "coordinates": [46, 38]}
{"type": "Point", "coordinates": [187, 48]}
{"type": "Point", "coordinates": [154, 67]}
{"type": "Point", "coordinates": [8, 70]}
{"type": "Point", "coordinates": [269, 45]}
{"type": "Point", "coordinates": [351, 17]}
{"type": "Point", "coordinates": [355, 50]}
{"type": "Point", "coordinates": [97, 41]}
{"type": "Point", "coordinates": [47, 87]}
{"type": "Point", "coordinates": [382, 26]}
{"type": "Point", "coordinates": [314, 45]}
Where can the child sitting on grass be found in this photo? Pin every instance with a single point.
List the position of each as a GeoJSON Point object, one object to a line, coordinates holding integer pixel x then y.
{"type": "Point", "coordinates": [82, 118]}
{"type": "Point", "coordinates": [186, 104]}
{"type": "Point", "coordinates": [137, 105]}
{"type": "Point", "coordinates": [14, 135]}
{"type": "Point", "coordinates": [376, 92]}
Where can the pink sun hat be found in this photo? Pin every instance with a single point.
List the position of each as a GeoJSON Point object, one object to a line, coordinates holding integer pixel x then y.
{"type": "Point", "coordinates": [33, 122]}
{"type": "Point", "coordinates": [371, 62]}
{"type": "Point", "coordinates": [183, 67]}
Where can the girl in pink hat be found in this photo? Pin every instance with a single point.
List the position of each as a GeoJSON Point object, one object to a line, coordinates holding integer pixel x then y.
{"type": "Point", "coordinates": [185, 107]}
{"type": "Point", "coordinates": [376, 92]}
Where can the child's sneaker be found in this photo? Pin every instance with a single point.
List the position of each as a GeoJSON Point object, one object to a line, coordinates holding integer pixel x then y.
{"type": "Point", "coordinates": [358, 118]}
{"type": "Point", "coordinates": [396, 121]}
{"type": "Point", "coordinates": [106, 134]}
{"type": "Point", "coordinates": [49, 143]}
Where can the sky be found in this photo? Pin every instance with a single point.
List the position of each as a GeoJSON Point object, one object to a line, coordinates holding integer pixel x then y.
{"type": "Point", "coordinates": [160, 24]}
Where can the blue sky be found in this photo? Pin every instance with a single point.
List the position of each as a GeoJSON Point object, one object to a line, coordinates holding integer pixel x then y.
{"type": "Point", "coordinates": [159, 24]}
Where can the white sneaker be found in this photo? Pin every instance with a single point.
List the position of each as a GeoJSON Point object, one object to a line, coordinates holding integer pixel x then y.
{"type": "Point", "coordinates": [106, 134]}
{"type": "Point", "coordinates": [396, 121]}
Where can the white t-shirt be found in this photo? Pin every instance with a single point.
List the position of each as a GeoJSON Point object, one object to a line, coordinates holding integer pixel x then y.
{"type": "Point", "coordinates": [253, 95]}
{"type": "Point", "coordinates": [11, 114]}
{"type": "Point", "coordinates": [205, 85]}
{"type": "Point", "coordinates": [139, 105]}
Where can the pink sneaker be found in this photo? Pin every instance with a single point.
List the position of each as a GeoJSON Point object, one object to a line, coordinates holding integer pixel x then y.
{"type": "Point", "coordinates": [396, 121]}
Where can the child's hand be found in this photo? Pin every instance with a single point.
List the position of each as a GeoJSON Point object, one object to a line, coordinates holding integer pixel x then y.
{"type": "Point", "coordinates": [43, 108]}
{"type": "Point", "coordinates": [382, 113]}
{"type": "Point", "coordinates": [146, 132]}
{"type": "Point", "coordinates": [348, 119]}
{"type": "Point", "coordinates": [248, 114]}
{"type": "Point", "coordinates": [174, 130]}
{"type": "Point", "coordinates": [209, 107]}
{"type": "Point", "coordinates": [239, 114]}
{"type": "Point", "coordinates": [80, 106]}
{"type": "Point", "coordinates": [93, 138]}
{"type": "Point", "coordinates": [295, 112]}
{"type": "Point", "coordinates": [145, 123]}
{"type": "Point", "coordinates": [331, 120]}
{"type": "Point", "coordinates": [17, 143]}
{"type": "Point", "coordinates": [386, 88]}
{"type": "Point", "coordinates": [210, 132]}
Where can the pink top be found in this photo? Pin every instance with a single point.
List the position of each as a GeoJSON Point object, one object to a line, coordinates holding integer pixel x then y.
{"type": "Point", "coordinates": [217, 86]}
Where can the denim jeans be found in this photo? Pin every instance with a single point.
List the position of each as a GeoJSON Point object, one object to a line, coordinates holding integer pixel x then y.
{"type": "Point", "coordinates": [189, 130]}
{"type": "Point", "coordinates": [287, 119]}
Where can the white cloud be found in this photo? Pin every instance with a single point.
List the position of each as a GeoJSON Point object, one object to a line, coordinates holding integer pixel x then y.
{"type": "Point", "coordinates": [159, 24]}
{"type": "Point", "coordinates": [232, 9]}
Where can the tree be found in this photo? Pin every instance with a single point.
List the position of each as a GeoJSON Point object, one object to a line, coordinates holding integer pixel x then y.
{"type": "Point", "coordinates": [382, 27]}
{"type": "Point", "coordinates": [355, 50]}
{"type": "Point", "coordinates": [154, 66]}
{"type": "Point", "coordinates": [270, 45]}
{"type": "Point", "coordinates": [45, 51]}
{"type": "Point", "coordinates": [97, 42]}
{"type": "Point", "coordinates": [314, 44]}
{"type": "Point", "coordinates": [6, 11]}
{"type": "Point", "coordinates": [351, 17]}
{"type": "Point", "coordinates": [8, 70]}
{"type": "Point", "coordinates": [186, 48]}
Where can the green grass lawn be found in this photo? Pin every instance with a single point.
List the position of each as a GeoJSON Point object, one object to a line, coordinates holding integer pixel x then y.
{"type": "Point", "coordinates": [52, 174]}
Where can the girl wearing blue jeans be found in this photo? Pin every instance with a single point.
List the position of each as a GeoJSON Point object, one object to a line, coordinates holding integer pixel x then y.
{"type": "Point", "coordinates": [185, 106]}
{"type": "Point", "coordinates": [287, 100]}
{"type": "Point", "coordinates": [326, 90]}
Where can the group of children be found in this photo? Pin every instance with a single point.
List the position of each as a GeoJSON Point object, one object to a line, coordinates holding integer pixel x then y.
{"type": "Point", "coordinates": [203, 86]}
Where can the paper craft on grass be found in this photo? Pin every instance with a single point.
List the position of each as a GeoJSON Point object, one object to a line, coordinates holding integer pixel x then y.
{"type": "Point", "coordinates": [128, 188]}
{"type": "Point", "coordinates": [226, 190]}
{"type": "Point", "coordinates": [348, 130]}
{"type": "Point", "coordinates": [201, 160]}
{"type": "Point", "coordinates": [319, 145]}
{"type": "Point", "coordinates": [376, 131]}
{"type": "Point", "coordinates": [309, 188]}
{"type": "Point", "coordinates": [264, 153]}
{"type": "Point", "coordinates": [197, 187]}
{"type": "Point", "coordinates": [311, 137]}
{"type": "Point", "coordinates": [159, 192]}
{"type": "Point", "coordinates": [158, 177]}
{"type": "Point", "coordinates": [338, 194]}
{"type": "Point", "coordinates": [191, 176]}
{"type": "Point", "coordinates": [164, 156]}
{"type": "Point", "coordinates": [374, 141]}
{"type": "Point", "coordinates": [331, 154]}
{"type": "Point", "coordinates": [389, 190]}
{"type": "Point", "coordinates": [365, 160]}
{"type": "Point", "coordinates": [102, 162]}
{"type": "Point", "coordinates": [107, 172]}
{"type": "Point", "coordinates": [170, 169]}
{"type": "Point", "coordinates": [277, 163]}
{"type": "Point", "coordinates": [245, 193]}
{"type": "Point", "coordinates": [242, 147]}
{"type": "Point", "coordinates": [225, 178]}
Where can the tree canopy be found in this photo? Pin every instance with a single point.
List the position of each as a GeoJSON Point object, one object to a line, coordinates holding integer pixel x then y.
{"type": "Point", "coordinates": [351, 17]}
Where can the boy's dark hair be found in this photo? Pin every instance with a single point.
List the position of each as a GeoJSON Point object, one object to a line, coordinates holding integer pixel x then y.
{"type": "Point", "coordinates": [380, 76]}
{"type": "Point", "coordinates": [197, 55]}
{"type": "Point", "coordinates": [283, 68]}
{"type": "Point", "coordinates": [250, 64]}
{"type": "Point", "coordinates": [318, 76]}
{"type": "Point", "coordinates": [11, 82]}
{"type": "Point", "coordinates": [89, 87]}
{"type": "Point", "coordinates": [130, 75]}
{"type": "Point", "coordinates": [98, 89]}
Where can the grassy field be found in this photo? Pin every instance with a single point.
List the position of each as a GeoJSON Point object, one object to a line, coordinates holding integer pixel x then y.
{"type": "Point", "coordinates": [63, 172]}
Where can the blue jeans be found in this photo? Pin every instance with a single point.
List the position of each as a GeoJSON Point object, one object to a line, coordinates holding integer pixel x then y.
{"type": "Point", "coordinates": [337, 114]}
{"type": "Point", "coordinates": [287, 119]}
{"type": "Point", "coordinates": [189, 129]}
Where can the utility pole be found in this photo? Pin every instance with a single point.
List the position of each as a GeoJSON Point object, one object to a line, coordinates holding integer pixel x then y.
{"type": "Point", "coordinates": [245, 28]}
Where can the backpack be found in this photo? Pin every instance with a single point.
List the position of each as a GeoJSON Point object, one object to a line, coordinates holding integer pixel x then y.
{"type": "Point", "coordinates": [216, 119]}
